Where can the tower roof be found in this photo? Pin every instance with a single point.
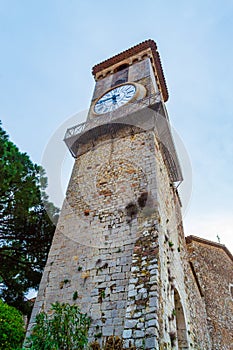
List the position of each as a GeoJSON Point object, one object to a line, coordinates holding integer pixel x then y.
{"type": "Point", "coordinates": [148, 44]}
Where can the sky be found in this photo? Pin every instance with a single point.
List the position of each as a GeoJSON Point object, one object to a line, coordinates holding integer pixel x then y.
{"type": "Point", "coordinates": [48, 49]}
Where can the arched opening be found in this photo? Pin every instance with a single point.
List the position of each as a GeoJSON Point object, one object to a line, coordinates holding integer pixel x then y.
{"type": "Point", "coordinates": [135, 60]}
{"type": "Point", "coordinates": [145, 56]}
{"type": "Point", "coordinates": [231, 291]}
{"type": "Point", "coordinates": [181, 329]}
{"type": "Point", "coordinates": [119, 81]}
{"type": "Point", "coordinates": [121, 75]}
{"type": "Point", "coordinates": [122, 66]}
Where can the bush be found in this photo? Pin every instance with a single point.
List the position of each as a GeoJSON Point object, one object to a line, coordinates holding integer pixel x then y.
{"type": "Point", "coordinates": [11, 327]}
{"type": "Point", "coordinates": [64, 327]}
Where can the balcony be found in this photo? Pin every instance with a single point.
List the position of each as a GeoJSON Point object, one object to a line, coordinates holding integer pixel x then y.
{"type": "Point", "coordinates": [146, 114]}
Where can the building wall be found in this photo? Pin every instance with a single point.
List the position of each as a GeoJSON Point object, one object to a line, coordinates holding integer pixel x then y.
{"type": "Point", "coordinates": [101, 223]}
{"type": "Point", "coordinates": [175, 275]}
{"type": "Point", "coordinates": [214, 270]}
{"type": "Point", "coordinates": [119, 244]}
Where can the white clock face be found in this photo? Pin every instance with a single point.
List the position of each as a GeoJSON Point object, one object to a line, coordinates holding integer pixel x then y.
{"type": "Point", "coordinates": [115, 98]}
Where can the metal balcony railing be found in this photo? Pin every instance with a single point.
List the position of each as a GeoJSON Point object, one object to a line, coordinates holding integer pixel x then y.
{"type": "Point", "coordinates": [146, 114]}
{"type": "Point", "coordinates": [112, 116]}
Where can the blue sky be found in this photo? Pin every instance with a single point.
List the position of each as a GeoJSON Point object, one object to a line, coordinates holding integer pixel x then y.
{"type": "Point", "coordinates": [49, 47]}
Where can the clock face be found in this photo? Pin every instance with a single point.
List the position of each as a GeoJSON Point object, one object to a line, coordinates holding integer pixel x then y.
{"type": "Point", "coordinates": [115, 98]}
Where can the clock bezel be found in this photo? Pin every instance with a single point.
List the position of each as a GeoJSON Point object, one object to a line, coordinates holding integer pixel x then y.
{"type": "Point", "coordinates": [140, 92]}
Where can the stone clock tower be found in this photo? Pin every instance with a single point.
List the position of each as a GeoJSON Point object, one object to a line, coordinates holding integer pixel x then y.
{"type": "Point", "coordinates": [119, 244]}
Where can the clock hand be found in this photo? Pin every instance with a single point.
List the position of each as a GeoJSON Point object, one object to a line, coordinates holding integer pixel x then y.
{"type": "Point", "coordinates": [109, 98]}
{"type": "Point", "coordinates": [114, 97]}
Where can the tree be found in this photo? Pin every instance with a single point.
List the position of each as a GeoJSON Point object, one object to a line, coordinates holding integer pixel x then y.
{"type": "Point", "coordinates": [64, 327]}
{"type": "Point", "coordinates": [11, 327]}
{"type": "Point", "coordinates": [26, 230]}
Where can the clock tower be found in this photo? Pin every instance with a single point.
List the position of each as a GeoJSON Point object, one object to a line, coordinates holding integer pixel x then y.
{"type": "Point", "coordinates": [119, 241]}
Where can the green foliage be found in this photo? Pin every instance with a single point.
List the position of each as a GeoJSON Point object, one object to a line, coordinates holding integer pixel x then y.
{"type": "Point", "coordinates": [64, 328]}
{"type": "Point", "coordinates": [98, 335]}
{"type": "Point", "coordinates": [102, 293]}
{"type": "Point", "coordinates": [26, 230]}
{"type": "Point", "coordinates": [11, 327]}
{"type": "Point", "coordinates": [75, 295]}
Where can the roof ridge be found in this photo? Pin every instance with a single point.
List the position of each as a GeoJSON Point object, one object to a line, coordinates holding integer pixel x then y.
{"type": "Point", "coordinates": [191, 238]}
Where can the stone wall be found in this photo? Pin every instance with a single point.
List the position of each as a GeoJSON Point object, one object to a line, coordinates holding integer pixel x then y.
{"type": "Point", "coordinates": [213, 266]}
{"type": "Point", "coordinates": [119, 249]}
{"type": "Point", "coordinates": [177, 327]}
{"type": "Point", "coordinates": [93, 252]}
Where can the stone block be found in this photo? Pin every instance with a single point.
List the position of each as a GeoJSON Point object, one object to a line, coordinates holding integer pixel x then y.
{"type": "Point", "coordinates": [151, 331]}
{"type": "Point", "coordinates": [118, 321]}
{"type": "Point", "coordinates": [139, 343]}
{"type": "Point", "coordinates": [137, 314]}
{"type": "Point", "coordinates": [131, 287]}
{"type": "Point", "coordinates": [133, 280]}
{"type": "Point", "coordinates": [132, 293]}
{"type": "Point", "coordinates": [138, 334]}
{"type": "Point", "coordinates": [140, 325]}
{"type": "Point", "coordinates": [150, 343]}
{"type": "Point", "coordinates": [127, 333]}
{"type": "Point", "coordinates": [152, 322]}
{"type": "Point", "coordinates": [130, 323]}
{"type": "Point", "coordinates": [153, 302]}
{"type": "Point", "coordinates": [121, 304]}
{"type": "Point", "coordinates": [119, 289]}
{"type": "Point", "coordinates": [107, 331]}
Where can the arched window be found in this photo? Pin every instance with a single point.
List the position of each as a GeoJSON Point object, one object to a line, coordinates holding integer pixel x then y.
{"type": "Point", "coordinates": [120, 75]}
{"type": "Point", "coordinates": [181, 329]}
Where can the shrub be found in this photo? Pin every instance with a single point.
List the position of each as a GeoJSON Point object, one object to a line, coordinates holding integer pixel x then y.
{"type": "Point", "coordinates": [64, 327]}
{"type": "Point", "coordinates": [11, 327]}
